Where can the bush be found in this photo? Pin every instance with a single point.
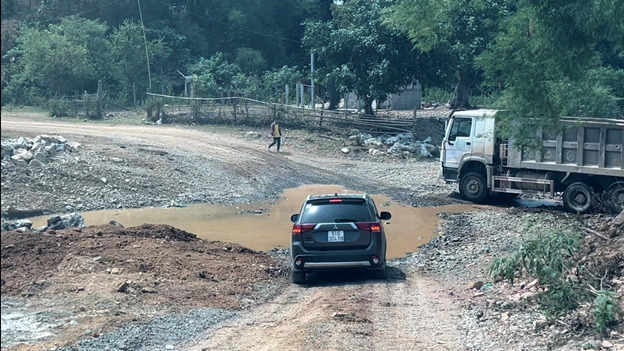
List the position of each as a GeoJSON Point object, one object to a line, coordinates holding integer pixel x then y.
{"type": "Point", "coordinates": [605, 310]}
{"type": "Point", "coordinates": [546, 254]}
{"type": "Point", "coordinates": [549, 255]}
{"type": "Point", "coordinates": [437, 96]}
{"type": "Point", "coordinates": [60, 108]}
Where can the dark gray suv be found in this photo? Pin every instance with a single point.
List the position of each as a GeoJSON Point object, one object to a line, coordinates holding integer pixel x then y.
{"type": "Point", "coordinates": [337, 232]}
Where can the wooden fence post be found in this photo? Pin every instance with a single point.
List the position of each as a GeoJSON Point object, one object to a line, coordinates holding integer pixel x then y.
{"type": "Point", "coordinates": [321, 120]}
{"type": "Point", "coordinates": [99, 100]}
{"type": "Point", "coordinates": [234, 108]}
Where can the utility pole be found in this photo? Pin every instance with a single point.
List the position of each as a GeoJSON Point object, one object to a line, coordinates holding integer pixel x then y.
{"type": "Point", "coordinates": [188, 83]}
{"type": "Point", "coordinates": [149, 74]}
{"type": "Point", "coordinates": [312, 79]}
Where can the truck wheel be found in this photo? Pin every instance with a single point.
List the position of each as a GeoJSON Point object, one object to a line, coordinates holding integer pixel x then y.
{"type": "Point", "coordinates": [577, 197]}
{"type": "Point", "coordinates": [473, 187]}
{"type": "Point", "coordinates": [614, 196]}
{"type": "Point", "coordinates": [297, 277]}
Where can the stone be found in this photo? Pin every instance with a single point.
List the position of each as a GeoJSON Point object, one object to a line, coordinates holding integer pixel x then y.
{"type": "Point", "coordinates": [36, 164]}
{"type": "Point", "coordinates": [74, 146]}
{"type": "Point", "coordinates": [21, 163]}
{"type": "Point", "coordinates": [22, 155]}
{"type": "Point", "coordinates": [70, 220]}
{"type": "Point", "coordinates": [7, 149]}
{"type": "Point", "coordinates": [41, 156]}
{"type": "Point", "coordinates": [619, 219]}
{"type": "Point", "coordinates": [148, 290]}
{"type": "Point", "coordinates": [123, 287]}
{"type": "Point", "coordinates": [606, 344]}
{"type": "Point", "coordinates": [475, 285]}
{"type": "Point", "coordinates": [115, 270]}
{"type": "Point", "coordinates": [345, 150]}
{"type": "Point", "coordinates": [58, 139]}
{"type": "Point", "coordinates": [117, 160]}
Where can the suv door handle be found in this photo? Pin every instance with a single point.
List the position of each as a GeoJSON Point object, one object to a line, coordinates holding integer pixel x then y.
{"type": "Point", "coordinates": [467, 143]}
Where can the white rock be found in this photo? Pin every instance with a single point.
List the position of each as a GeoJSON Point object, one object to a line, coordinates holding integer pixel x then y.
{"type": "Point", "coordinates": [73, 145]}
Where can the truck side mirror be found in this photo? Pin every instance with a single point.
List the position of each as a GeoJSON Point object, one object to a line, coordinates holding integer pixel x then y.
{"type": "Point", "coordinates": [385, 215]}
{"type": "Point", "coordinates": [294, 217]}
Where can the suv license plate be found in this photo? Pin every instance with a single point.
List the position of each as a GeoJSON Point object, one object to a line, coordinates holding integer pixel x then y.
{"type": "Point", "coordinates": [334, 236]}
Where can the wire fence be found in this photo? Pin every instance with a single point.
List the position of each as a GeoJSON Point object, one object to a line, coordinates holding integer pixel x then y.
{"type": "Point", "coordinates": [240, 110]}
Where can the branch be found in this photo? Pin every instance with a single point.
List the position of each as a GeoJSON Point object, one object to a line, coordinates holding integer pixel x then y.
{"type": "Point", "coordinates": [591, 231]}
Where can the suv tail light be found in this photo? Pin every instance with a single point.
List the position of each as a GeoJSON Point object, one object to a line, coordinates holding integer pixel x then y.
{"type": "Point", "coordinates": [370, 226]}
{"type": "Point", "coordinates": [302, 228]}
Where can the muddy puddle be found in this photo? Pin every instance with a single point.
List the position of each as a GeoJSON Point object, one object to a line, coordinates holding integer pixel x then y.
{"type": "Point", "coordinates": [263, 226]}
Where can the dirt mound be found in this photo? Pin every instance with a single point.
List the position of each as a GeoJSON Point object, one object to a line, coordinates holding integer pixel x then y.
{"type": "Point", "coordinates": [106, 275]}
{"type": "Point", "coordinates": [153, 257]}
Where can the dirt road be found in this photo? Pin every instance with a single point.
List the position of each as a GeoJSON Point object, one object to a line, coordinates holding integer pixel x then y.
{"type": "Point", "coordinates": [410, 314]}
{"type": "Point", "coordinates": [342, 312]}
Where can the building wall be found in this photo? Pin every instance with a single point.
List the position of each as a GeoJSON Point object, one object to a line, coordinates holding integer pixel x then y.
{"type": "Point", "coordinates": [409, 98]}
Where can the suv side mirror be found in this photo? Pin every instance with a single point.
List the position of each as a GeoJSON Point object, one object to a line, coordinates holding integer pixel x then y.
{"type": "Point", "coordinates": [294, 217]}
{"type": "Point", "coordinates": [385, 215]}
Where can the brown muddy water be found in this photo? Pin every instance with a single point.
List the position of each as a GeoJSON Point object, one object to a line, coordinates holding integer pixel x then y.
{"type": "Point", "coordinates": [263, 226]}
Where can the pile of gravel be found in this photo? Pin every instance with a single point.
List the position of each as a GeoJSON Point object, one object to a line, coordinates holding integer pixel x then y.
{"type": "Point", "coordinates": [167, 332]}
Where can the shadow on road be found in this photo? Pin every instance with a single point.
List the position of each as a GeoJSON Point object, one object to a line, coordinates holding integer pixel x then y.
{"type": "Point", "coordinates": [352, 277]}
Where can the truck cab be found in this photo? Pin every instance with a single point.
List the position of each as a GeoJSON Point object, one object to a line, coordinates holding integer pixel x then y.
{"type": "Point", "coordinates": [469, 147]}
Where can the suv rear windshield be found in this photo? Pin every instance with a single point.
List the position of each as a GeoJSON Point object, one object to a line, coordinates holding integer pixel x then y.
{"type": "Point", "coordinates": [329, 212]}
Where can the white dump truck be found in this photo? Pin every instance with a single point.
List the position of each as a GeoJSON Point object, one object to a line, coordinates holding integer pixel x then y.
{"type": "Point", "coordinates": [585, 162]}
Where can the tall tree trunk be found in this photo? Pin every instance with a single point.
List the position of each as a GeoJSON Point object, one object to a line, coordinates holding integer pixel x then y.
{"type": "Point", "coordinates": [368, 107]}
{"type": "Point", "coordinates": [334, 96]}
{"type": "Point", "coordinates": [461, 98]}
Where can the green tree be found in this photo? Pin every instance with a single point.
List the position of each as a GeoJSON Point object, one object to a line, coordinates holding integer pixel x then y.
{"type": "Point", "coordinates": [360, 53]}
{"type": "Point", "coordinates": [250, 61]}
{"type": "Point", "coordinates": [58, 60]}
{"type": "Point", "coordinates": [553, 58]}
{"type": "Point", "coordinates": [274, 82]}
{"type": "Point", "coordinates": [214, 75]}
{"type": "Point", "coordinates": [127, 48]}
{"type": "Point", "coordinates": [455, 31]}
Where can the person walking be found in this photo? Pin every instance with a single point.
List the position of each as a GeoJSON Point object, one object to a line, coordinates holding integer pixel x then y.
{"type": "Point", "coordinates": [276, 133]}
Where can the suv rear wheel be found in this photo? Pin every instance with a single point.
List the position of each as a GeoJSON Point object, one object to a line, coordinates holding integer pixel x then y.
{"type": "Point", "coordinates": [381, 273]}
{"type": "Point", "coordinates": [297, 277]}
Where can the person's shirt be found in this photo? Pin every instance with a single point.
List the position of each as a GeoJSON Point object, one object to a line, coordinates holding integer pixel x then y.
{"type": "Point", "coordinates": [275, 130]}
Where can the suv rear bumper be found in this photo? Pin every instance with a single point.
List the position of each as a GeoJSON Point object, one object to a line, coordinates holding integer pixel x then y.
{"type": "Point", "coordinates": [338, 264]}
{"type": "Point", "coordinates": [337, 259]}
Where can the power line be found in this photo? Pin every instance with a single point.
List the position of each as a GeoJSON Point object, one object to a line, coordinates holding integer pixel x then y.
{"type": "Point", "coordinates": [97, 8]}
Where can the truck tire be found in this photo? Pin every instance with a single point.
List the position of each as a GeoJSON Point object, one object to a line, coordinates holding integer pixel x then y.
{"type": "Point", "coordinates": [473, 187]}
{"type": "Point", "coordinates": [614, 197]}
{"type": "Point", "coordinates": [297, 277]}
{"type": "Point", "coordinates": [577, 197]}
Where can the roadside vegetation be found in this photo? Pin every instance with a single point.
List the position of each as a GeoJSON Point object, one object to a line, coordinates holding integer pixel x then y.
{"type": "Point", "coordinates": [564, 280]}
